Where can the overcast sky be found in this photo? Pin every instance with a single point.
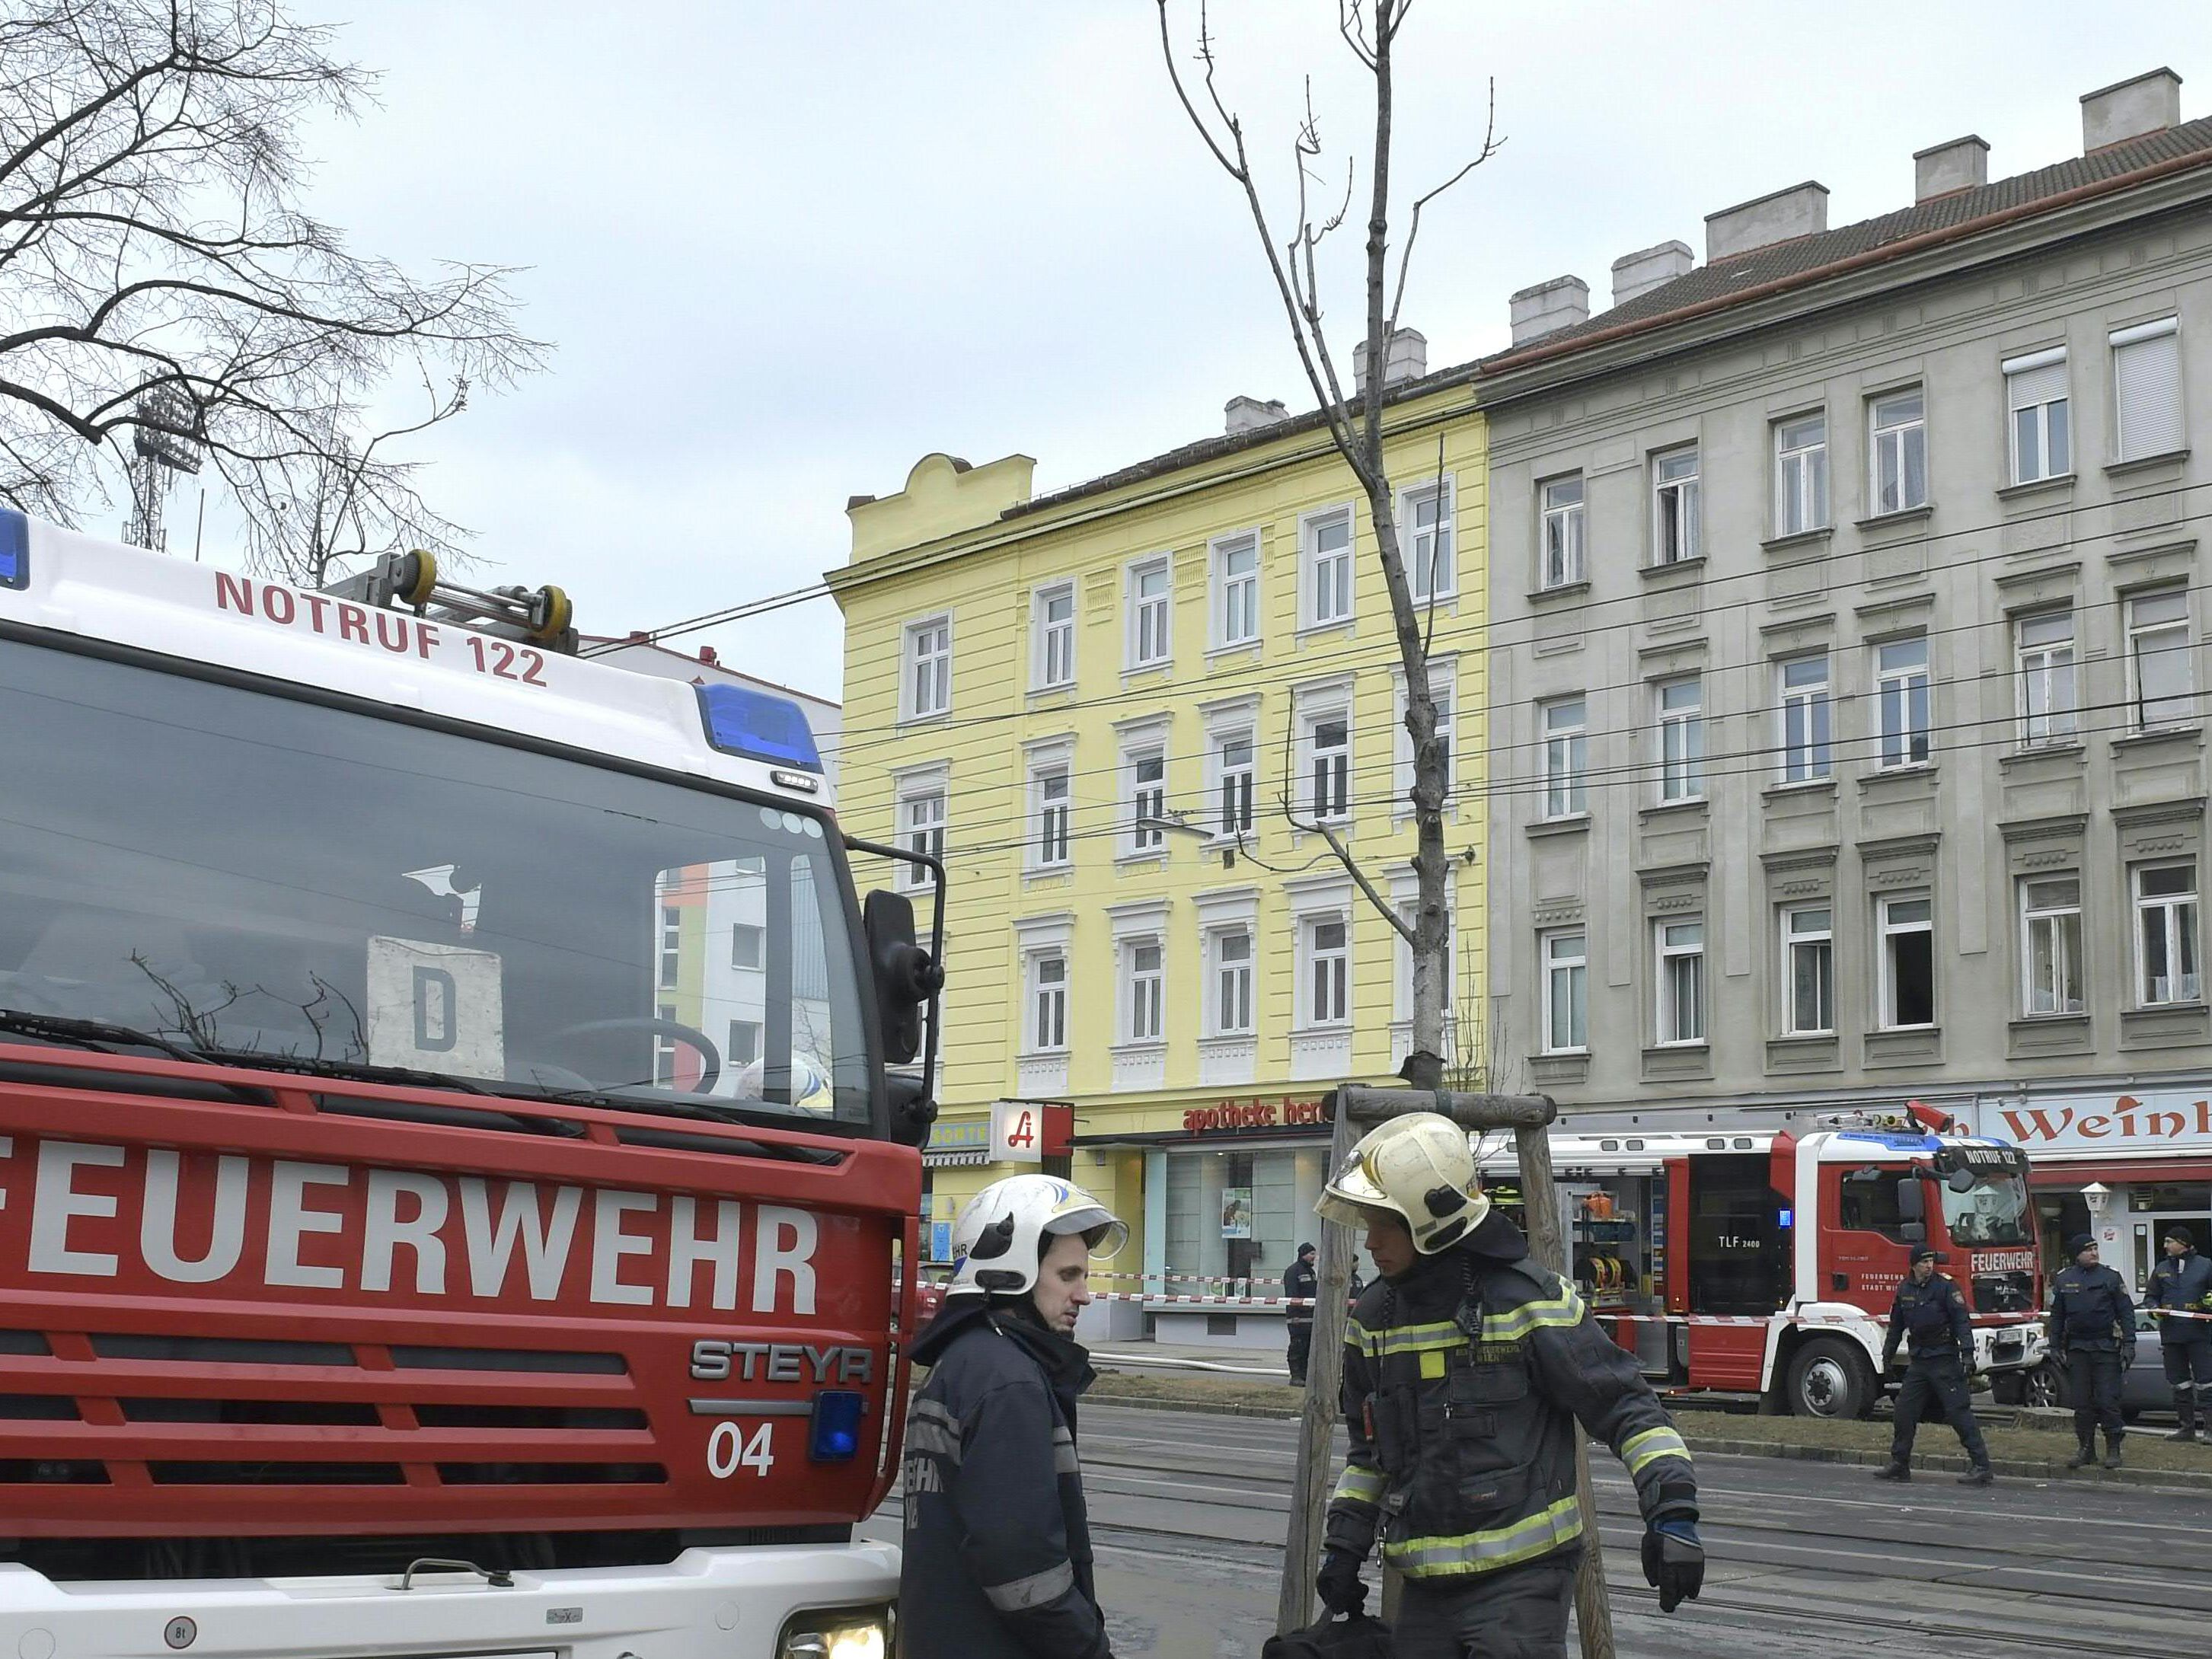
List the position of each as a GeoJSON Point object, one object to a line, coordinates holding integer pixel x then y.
{"type": "Point", "coordinates": [785, 250]}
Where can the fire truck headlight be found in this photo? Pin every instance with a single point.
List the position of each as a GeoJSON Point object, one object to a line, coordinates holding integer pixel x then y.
{"type": "Point", "coordinates": [838, 1633]}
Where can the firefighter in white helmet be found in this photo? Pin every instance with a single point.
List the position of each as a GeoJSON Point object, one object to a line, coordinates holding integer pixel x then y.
{"type": "Point", "coordinates": [997, 1563]}
{"type": "Point", "coordinates": [1466, 1367]}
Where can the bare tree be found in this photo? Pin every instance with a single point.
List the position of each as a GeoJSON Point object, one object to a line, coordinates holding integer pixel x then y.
{"type": "Point", "coordinates": [1355, 423]}
{"type": "Point", "coordinates": [157, 269]}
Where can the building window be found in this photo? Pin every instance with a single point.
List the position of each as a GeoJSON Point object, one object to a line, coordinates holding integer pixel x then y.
{"type": "Point", "coordinates": [1237, 591]}
{"type": "Point", "coordinates": [1432, 563]}
{"type": "Point", "coordinates": [1801, 475]}
{"type": "Point", "coordinates": [2042, 427]}
{"type": "Point", "coordinates": [1149, 605]}
{"type": "Point", "coordinates": [672, 946]}
{"type": "Point", "coordinates": [744, 1044]}
{"type": "Point", "coordinates": [2165, 934]}
{"type": "Point", "coordinates": [2050, 944]}
{"type": "Point", "coordinates": [1144, 998]}
{"type": "Point", "coordinates": [1678, 533]}
{"type": "Point", "coordinates": [1233, 759]}
{"type": "Point", "coordinates": [1907, 959]}
{"type": "Point", "coordinates": [2158, 655]}
{"type": "Point", "coordinates": [1900, 451]}
{"type": "Point", "coordinates": [1148, 799]}
{"type": "Point", "coordinates": [1330, 737]}
{"type": "Point", "coordinates": [664, 1049]}
{"type": "Point", "coordinates": [748, 944]}
{"type": "Point", "coordinates": [1566, 758]}
{"type": "Point", "coordinates": [1050, 785]}
{"type": "Point", "coordinates": [1681, 947]}
{"type": "Point", "coordinates": [1809, 971]}
{"type": "Point", "coordinates": [1233, 983]}
{"type": "Point", "coordinates": [2146, 389]}
{"type": "Point", "coordinates": [1566, 993]}
{"type": "Point", "coordinates": [1327, 538]}
{"type": "Point", "coordinates": [2044, 646]}
{"type": "Point", "coordinates": [1808, 748]}
{"type": "Point", "coordinates": [929, 667]}
{"type": "Point", "coordinates": [1054, 621]}
{"type": "Point", "coordinates": [1048, 1002]}
{"type": "Point", "coordinates": [1901, 694]}
{"type": "Point", "coordinates": [921, 829]}
{"type": "Point", "coordinates": [1564, 560]}
{"type": "Point", "coordinates": [1328, 971]}
{"type": "Point", "coordinates": [1682, 738]}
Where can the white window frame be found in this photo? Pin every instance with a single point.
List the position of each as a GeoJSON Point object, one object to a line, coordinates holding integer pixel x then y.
{"type": "Point", "coordinates": [1558, 969]}
{"type": "Point", "coordinates": [2046, 677]}
{"type": "Point", "coordinates": [1887, 930]}
{"type": "Point", "coordinates": [1893, 444]}
{"type": "Point", "coordinates": [1147, 798]}
{"type": "Point", "coordinates": [1444, 687]}
{"type": "Point", "coordinates": [1234, 594]}
{"type": "Point", "coordinates": [1807, 734]}
{"type": "Point", "coordinates": [1229, 1000]}
{"type": "Point", "coordinates": [1566, 755]}
{"type": "Point", "coordinates": [672, 946]}
{"type": "Point", "coordinates": [734, 1055]}
{"type": "Point", "coordinates": [1667, 952]}
{"type": "Point", "coordinates": [1439, 541]}
{"type": "Point", "coordinates": [2029, 393]}
{"type": "Point", "coordinates": [1152, 616]}
{"type": "Point", "coordinates": [1052, 811]}
{"type": "Point", "coordinates": [2168, 637]}
{"type": "Point", "coordinates": [1327, 797]}
{"type": "Point", "coordinates": [1820, 943]}
{"type": "Point", "coordinates": [2135, 346]}
{"type": "Point", "coordinates": [1563, 532]}
{"type": "Point", "coordinates": [1894, 686]}
{"type": "Point", "coordinates": [925, 674]}
{"type": "Point", "coordinates": [1330, 575]}
{"type": "Point", "coordinates": [759, 935]}
{"type": "Point", "coordinates": [1681, 732]}
{"type": "Point", "coordinates": [1325, 973]}
{"type": "Point", "coordinates": [2175, 916]}
{"type": "Point", "coordinates": [1052, 657]}
{"type": "Point", "coordinates": [1144, 988]}
{"type": "Point", "coordinates": [2048, 913]}
{"type": "Point", "coordinates": [1802, 503]}
{"type": "Point", "coordinates": [1227, 775]}
{"type": "Point", "coordinates": [922, 830]}
{"type": "Point", "coordinates": [1044, 1025]}
{"type": "Point", "coordinates": [1678, 534]}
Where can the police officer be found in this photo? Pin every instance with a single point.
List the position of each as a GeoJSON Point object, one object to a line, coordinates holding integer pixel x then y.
{"type": "Point", "coordinates": [1466, 1368]}
{"type": "Point", "coordinates": [1931, 1312]}
{"type": "Point", "coordinates": [2093, 1323]}
{"type": "Point", "coordinates": [1301, 1284]}
{"type": "Point", "coordinates": [998, 1542]}
{"type": "Point", "coordinates": [2181, 1285]}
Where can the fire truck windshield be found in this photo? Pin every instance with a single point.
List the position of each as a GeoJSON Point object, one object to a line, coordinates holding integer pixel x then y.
{"type": "Point", "coordinates": [1993, 1211]}
{"type": "Point", "coordinates": [236, 870]}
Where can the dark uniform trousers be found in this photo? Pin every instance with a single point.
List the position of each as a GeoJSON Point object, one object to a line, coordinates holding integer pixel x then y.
{"type": "Point", "coordinates": [1520, 1612]}
{"type": "Point", "coordinates": [2094, 1374]}
{"type": "Point", "coordinates": [1938, 1375]}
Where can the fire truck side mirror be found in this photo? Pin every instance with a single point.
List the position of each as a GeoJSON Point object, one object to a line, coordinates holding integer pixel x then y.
{"type": "Point", "coordinates": [1911, 1203]}
{"type": "Point", "coordinates": [905, 976]}
{"type": "Point", "coordinates": [1961, 1181]}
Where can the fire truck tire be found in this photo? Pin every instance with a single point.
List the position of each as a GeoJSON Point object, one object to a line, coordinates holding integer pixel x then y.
{"type": "Point", "coordinates": [1830, 1377]}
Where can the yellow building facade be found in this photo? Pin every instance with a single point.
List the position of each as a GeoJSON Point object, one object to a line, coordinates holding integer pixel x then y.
{"type": "Point", "coordinates": [1099, 704]}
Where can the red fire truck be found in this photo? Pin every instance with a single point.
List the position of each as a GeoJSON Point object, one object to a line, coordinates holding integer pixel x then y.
{"type": "Point", "coordinates": [1764, 1263]}
{"type": "Point", "coordinates": [453, 1194]}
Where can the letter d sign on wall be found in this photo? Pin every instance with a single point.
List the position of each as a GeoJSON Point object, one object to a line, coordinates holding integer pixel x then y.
{"type": "Point", "coordinates": [1017, 1132]}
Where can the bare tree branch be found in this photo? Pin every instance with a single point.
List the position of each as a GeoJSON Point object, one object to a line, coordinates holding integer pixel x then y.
{"type": "Point", "coordinates": [1490, 144]}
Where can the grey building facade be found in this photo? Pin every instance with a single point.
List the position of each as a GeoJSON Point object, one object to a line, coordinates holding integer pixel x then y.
{"type": "Point", "coordinates": [1848, 617]}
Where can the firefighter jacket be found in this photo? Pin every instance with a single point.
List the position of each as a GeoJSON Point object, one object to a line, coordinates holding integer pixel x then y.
{"type": "Point", "coordinates": [1933, 1316]}
{"type": "Point", "coordinates": [1463, 1380]}
{"type": "Point", "coordinates": [2182, 1282]}
{"type": "Point", "coordinates": [2090, 1308]}
{"type": "Point", "coordinates": [997, 1561]}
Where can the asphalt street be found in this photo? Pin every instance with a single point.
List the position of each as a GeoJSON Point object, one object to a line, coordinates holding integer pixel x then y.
{"type": "Point", "coordinates": [1805, 1558]}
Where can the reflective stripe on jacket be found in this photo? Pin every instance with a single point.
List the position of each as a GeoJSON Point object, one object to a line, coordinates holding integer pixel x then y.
{"type": "Point", "coordinates": [2182, 1282]}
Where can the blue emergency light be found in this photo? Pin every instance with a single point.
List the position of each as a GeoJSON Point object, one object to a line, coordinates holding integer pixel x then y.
{"type": "Point", "coordinates": [741, 722]}
{"type": "Point", "coordinates": [1788, 1218]}
{"type": "Point", "coordinates": [835, 1434]}
{"type": "Point", "coordinates": [15, 549]}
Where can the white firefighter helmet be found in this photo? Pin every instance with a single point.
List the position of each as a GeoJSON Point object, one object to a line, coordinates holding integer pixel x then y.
{"type": "Point", "coordinates": [1003, 1233]}
{"type": "Point", "coordinates": [1420, 1167]}
{"type": "Point", "coordinates": [809, 1085]}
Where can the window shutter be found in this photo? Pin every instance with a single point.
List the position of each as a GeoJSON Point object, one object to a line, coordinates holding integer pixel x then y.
{"type": "Point", "coordinates": [2035, 382]}
{"type": "Point", "coordinates": [2147, 382]}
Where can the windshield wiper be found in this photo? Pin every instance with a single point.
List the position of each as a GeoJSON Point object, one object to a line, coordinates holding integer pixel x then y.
{"type": "Point", "coordinates": [91, 1033]}
{"type": "Point", "coordinates": [355, 1070]}
{"type": "Point", "coordinates": [619, 1102]}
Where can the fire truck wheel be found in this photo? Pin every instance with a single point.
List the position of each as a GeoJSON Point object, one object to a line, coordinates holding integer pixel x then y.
{"type": "Point", "coordinates": [1830, 1377]}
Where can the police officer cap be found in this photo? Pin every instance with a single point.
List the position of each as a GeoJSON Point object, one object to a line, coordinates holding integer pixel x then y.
{"type": "Point", "coordinates": [2079, 1242]}
{"type": "Point", "coordinates": [2181, 1236]}
{"type": "Point", "coordinates": [1925, 1253]}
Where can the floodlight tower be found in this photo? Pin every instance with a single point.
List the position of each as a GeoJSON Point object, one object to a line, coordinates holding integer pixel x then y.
{"type": "Point", "coordinates": [158, 448]}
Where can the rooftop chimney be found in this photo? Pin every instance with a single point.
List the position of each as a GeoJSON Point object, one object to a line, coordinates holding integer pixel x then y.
{"type": "Point", "coordinates": [2129, 109]}
{"type": "Point", "coordinates": [1800, 210]}
{"type": "Point", "coordinates": [1548, 307]}
{"type": "Point", "coordinates": [1946, 169]}
{"type": "Point", "coordinates": [1249, 414]}
{"type": "Point", "coordinates": [1407, 359]}
{"type": "Point", "coordinates": [1641, 272]}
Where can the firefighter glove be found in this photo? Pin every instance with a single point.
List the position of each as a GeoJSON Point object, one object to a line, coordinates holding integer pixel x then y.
{"type": "Point", "coordinates": [1339, 1584]}
{"type": "Point", "coordinates": [1674, 1562]}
